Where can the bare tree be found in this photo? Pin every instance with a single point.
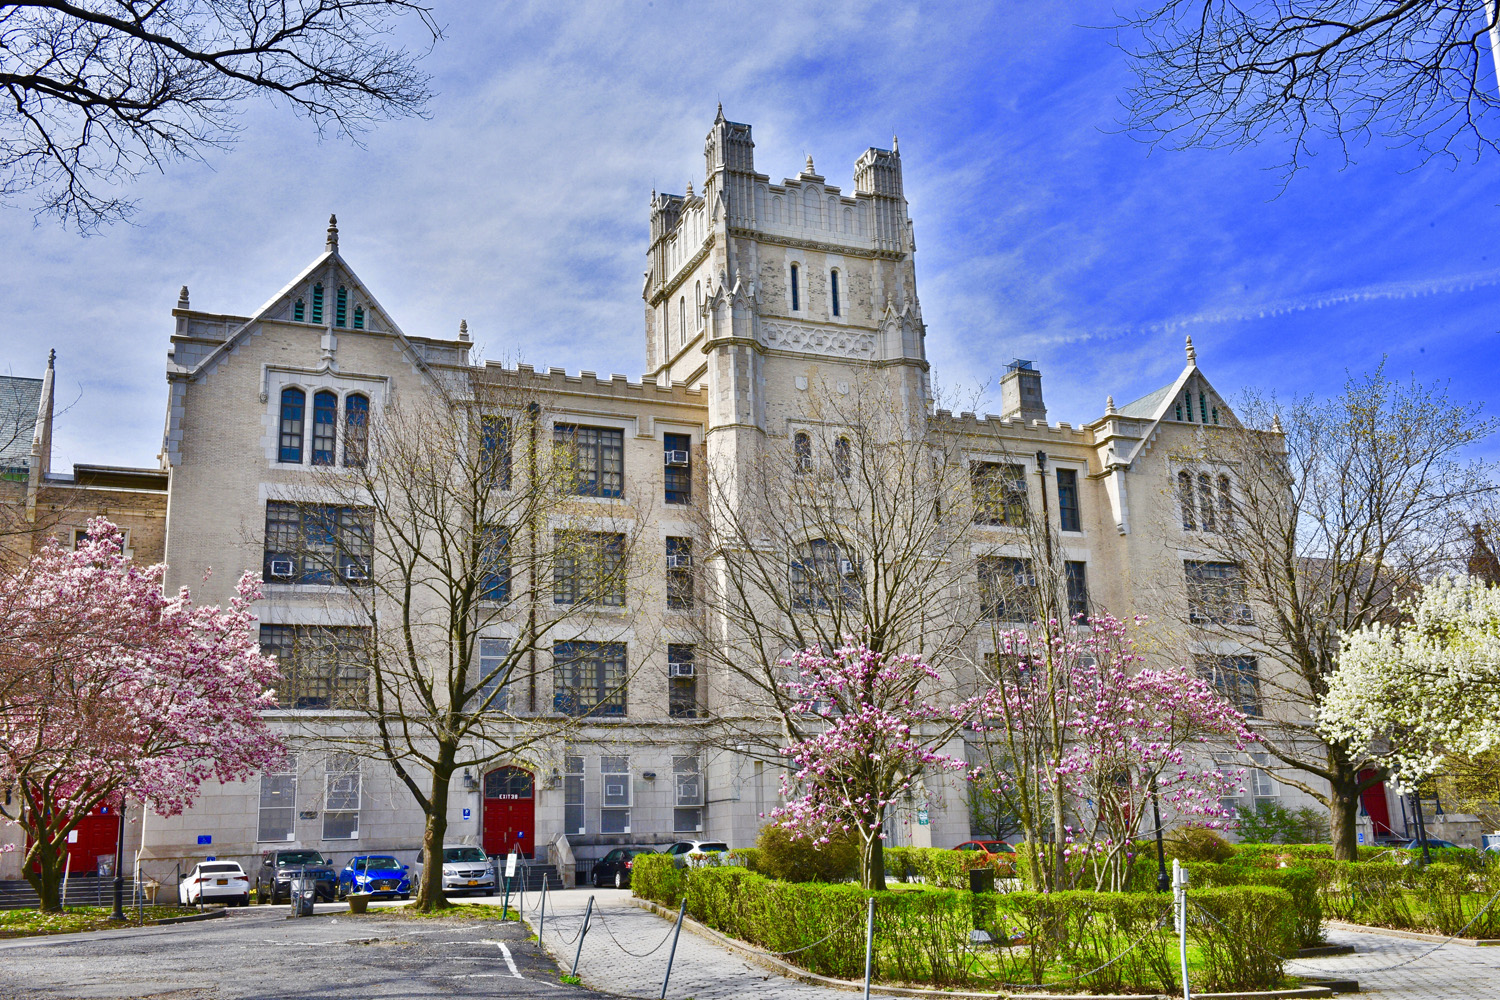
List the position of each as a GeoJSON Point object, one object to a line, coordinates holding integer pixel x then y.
{"type": "Point", "coordinates": [100, 91]}
{"type": "Point", "coordinates": [855, 527]}
{"type": "Point", "coordinates": [1218, 73]}
{"type": "Point", "coordinates": [462, 547]}
{"type": "Point", "coordinates": [1317, 528]}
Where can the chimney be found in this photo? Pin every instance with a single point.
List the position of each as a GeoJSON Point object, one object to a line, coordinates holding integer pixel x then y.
{"type": "Point", "coordinates": [1021, 393]}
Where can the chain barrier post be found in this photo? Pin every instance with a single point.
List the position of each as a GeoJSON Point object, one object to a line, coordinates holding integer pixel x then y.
{"type": "Point", "coordinates": [681, 912]}
{"type": "Point", "coordinates": [542, 918]}
{"type": "Point", "coordinates": [582, 932]}
{"type": "Point", "coordinates": [869, 942]}
{"type": "Point", "coordinates": [1179, 900]}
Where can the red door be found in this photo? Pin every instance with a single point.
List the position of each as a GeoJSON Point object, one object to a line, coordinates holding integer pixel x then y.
{"type": "Point", "coordinates": [93, 837]}
{"type": "Point", "coordinates": [1373, 799]}
{"type": "Point", "coordinates": [509, 812]}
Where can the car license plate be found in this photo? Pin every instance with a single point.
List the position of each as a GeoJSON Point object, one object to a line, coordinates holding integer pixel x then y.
{"type": "Point", "coordinates": [222, 881]}
{"type": "Point", "coordinates": [473, 881]}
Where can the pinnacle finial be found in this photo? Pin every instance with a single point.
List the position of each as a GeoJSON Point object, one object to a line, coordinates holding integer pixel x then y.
{"type": "Point", "coordinates": [182, 298]}
{"type": "Point", "coordinates": [1109, 405]}
{"type": "Point", "coordinates": [690, 189]}
{"type": "Point", "coordinates": [809, 169]}
{"type": "Point", "coordinates": [1192, 355]}
{"type": "Point", "coordinates": [1276, 424]}
{"type": "Point", "coordinates": [52, 359]}
{"type": "Point", "coordinates": [463, 329]}
{"type": "Point", "coordinates": [895, 145]}
{"type": "Point", "coordinates": [333, 233]}
{"type": "Point", "coordinates": [720, 116]}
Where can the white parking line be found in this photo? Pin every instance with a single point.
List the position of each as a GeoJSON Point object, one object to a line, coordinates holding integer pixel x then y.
{"type": "Point", "coordinates": [509, 962]}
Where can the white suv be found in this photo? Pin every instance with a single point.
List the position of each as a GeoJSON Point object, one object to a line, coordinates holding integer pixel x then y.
{"type": "Point", "coordinates": [694, 852]}
{"type": "Point", "coordinates": [466, 869]}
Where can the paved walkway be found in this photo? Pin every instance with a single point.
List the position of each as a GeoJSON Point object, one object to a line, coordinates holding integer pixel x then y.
{"type": "Point", "coordinates": [625, 952]}
{"type": "Point", "coordinates": [1453, 972]}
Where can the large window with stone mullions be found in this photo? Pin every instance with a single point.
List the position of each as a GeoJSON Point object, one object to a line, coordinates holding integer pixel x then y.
{"type": "Point", "coordinates": [999, 493]}
{"type": "Point", "coordinates": [317, 543]}
{"type": "Point", "coordinates": [322, 666]}
{"type": "Point", "coordinates": [589, 678]}
{"type": "Point", "coordinates": [822, 576]}
{"type": "Point", "coordinates": [597, 455]}
{"type": "Point", "coordinates": [588, 567]}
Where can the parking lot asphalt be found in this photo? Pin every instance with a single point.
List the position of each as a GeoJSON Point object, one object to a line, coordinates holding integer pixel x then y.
{"type": "Point", "coordinates": [258, 953]}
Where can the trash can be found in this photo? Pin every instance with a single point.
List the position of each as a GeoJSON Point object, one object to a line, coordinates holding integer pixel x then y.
{"type": "Point", "coordinates": [981, 880]}
{"type": "Point", "coordinates": [304, 893]}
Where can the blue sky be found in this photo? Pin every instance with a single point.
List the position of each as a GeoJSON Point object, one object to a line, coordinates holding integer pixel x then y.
{"type": "Point", "coordinates": [1043, 232]}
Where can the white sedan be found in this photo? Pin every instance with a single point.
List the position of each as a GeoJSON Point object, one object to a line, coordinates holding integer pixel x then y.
{"type": "Point", "coordinates": [210, 880]}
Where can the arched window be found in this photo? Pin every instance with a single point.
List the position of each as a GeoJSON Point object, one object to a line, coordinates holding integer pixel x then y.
{"type": "Point", "coordinates": [1226, 503]}
{"type": "Point", "coordinates": [293, 405]}
{"type": "Point", "coordinates": [1185, 499]}
{"type": "Point", "coordinates": [811, 214]}
{"type": "Point", "coordinates": [833, 213]}
{"type": "Point", "coordinates": [796, 292]}
{"type": "Point", "coordinates": [1214, 410]}
{"type": "Point", "coordinates": [861, 220]}
{"type": "Point", "coordinates": [1187, 398]}
{"type": "Point", "coordinates": [1206, 502]}
{"type": "Point", "coordinates": [776, 209]}
{"type": "Point", "coordinates": [833, 290]}
{"type": "Point", "coordinates": [1203, 406]}
{"type": "Point", "coordinates": [299, 311]}
{"type": "Point", "coordinates": [698, 301]}
{"type": "Point", "coordinates": [802, 449]}
{"type": "Point", "coordinates": [359, 317]}
{"type": "Point", "coordinates": [682, 320]}
{"type": "Point", "coordinates": [841, 463]}
{"type": "Point", "coordinates": [341, 307]}
{"type": "Point", "coordinates": [317, 309]}
{"type": "Point", "coordinates": [1179, 411]}
{"type": "Point", "coordinates": [849, 221]}
{"type": "Point", "coordinates": [325, 427]}
{"type": "Point", "coordinates": [356, 428]}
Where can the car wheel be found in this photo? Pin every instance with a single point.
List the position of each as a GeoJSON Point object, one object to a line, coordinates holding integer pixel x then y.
{"type": "Point", "coordinates": [245, 899]}
{"type": "Point", "coordinates": [619, 880]}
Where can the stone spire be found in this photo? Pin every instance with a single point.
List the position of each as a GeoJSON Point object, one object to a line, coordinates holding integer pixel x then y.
{"type": "Point", "coordinates": [52, 359]}
{"type": "Point", "coordinates": [182, 298]}
{"type": "Point", "coordinates": [895, 145]}
{"type": "Point", "coordinates": [720, 116]}
{"type": "Point", "coordinates": [463, 329]}
{"type": "Point", "coordinates": [1276, 424]}
{"type": "Point", "coordinates": [333, 233]}
{"type": "Point", "coordinates": [1192, 355]}
{"type": "Point", "coordinates": [690, 188]}
{"type": "Point", "coordinates": [1109, 405]}
{"type": "Point", "coordinates": [808, 170]}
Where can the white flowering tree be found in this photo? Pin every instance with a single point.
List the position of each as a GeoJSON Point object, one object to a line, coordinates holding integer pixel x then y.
{"type": "Point", "coordinates": [1426, 689]}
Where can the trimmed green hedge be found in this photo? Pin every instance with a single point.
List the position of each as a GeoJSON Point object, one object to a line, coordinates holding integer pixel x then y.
{"type": "Point", "coordinates": [923, 936]}
{"type": "Point", "coordinates": [941, 867]}
{"type": "Point", "coordinates": [1301, 883]}
{"type": "Point", "coordinates": [1442, 898]}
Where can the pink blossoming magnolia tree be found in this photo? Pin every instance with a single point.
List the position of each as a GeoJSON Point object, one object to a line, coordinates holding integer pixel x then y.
{"type": "Point", "coordinates": [1081, 732]}
{"type": "Point", "coordinates": [878, 735]}
{"type": "Point", "coordinates": [110, 690]}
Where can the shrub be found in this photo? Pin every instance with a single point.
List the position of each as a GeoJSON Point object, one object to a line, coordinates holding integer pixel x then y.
{"type": "Point", "coordinates": [656, 877]}
{"type": "Point", "coordinates": [1273, 823]}
{"type": "Point", "coordinates": [1299, 881]}
{"type": "Point", "coordinates": [747, 856]}
{"type": "Point", "coordinates": [797, 859]}
{"type": "Point", "coordinates": [941, 867]}
{"type": "Point", "coordinates": [1440, 897]}
{"type": "Point", "coordinates": [1196, 843]}
{"type": "Point", "coordinates": [1243, 932]}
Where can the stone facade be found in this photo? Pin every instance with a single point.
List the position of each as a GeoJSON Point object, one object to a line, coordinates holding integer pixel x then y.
{"type": "Point", "coordinates": [758, 296]}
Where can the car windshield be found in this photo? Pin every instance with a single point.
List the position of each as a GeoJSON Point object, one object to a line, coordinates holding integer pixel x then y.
{"type": "Point", "coordinates": [300, 858]}
{"type": "Point", "coordinates": [379, 862]}
{"type": "Point", "coordinates": [631, 852]}
{"type": "Point", "coordinates": [462, 854]}
{"type": "Point", "coordinates": [714, 846]}
{"type": "Point", "coordinates": [228, 866]}
{"type": "Point", "coordinates": [996, 846]}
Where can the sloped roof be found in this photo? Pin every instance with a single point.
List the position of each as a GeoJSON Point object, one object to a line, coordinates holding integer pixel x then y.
{"type": "Point", "coordinates": [19, 400]}
{"type": "Point", "coordinates": [1149, 405]}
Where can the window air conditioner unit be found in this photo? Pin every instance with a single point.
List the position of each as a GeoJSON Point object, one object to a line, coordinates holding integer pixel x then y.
{"type": "Point", "coordinates": [682, 669]}
{"type": "Point", "coordinates": [680, 560]}
{"type": "Point", "coordinates": [281, 568]}
{"type": "Point", "coordinates": [355, 571]}
{"type": "Point", "coordinates": [677, 457]}
{"type": "Point", "coordinates": [847, 568]}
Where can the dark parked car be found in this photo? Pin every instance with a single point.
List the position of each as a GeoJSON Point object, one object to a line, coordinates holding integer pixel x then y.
{"type": "Point", "coordinates": [376, 874]}
{"type": "Point", "coordinates": [1432, 844]}
{"type": "Point", "coordinates": [614, 868]}
{"type": "Point", "coordinates": [277, 869]}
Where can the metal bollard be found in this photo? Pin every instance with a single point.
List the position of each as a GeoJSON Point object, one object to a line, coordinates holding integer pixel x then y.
{"type": "Point", "coordinates": [542, 918]}
{"type": "Point", "coordinates": [681, 912]}
{"type": "Point", "coordinates": [582, 932]}
{"type": "Point", "coordinates": [869, 942]}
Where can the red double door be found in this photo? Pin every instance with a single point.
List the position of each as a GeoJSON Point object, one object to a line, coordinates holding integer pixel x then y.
{"type": "Point", "coordinates": [509, 822]}
{"type": "Point", "coordinates": [93, 838]}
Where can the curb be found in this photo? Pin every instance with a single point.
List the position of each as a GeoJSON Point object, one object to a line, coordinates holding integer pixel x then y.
{"type": "Point", "coordinates": [813, 979]}
{"type": "Point", "coordinates": [1339, 925]}
{"type": "Point", "coordinates": [191, 918]}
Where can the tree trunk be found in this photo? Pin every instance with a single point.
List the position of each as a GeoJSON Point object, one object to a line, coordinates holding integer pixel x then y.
{"type": "Point", "coordinates": [430, 892]}
{"type": "Point", "coordinates": [872, 863]}
{"type": "Point", "coordinates": [48, 880]}
{"type": "Point", "coordinates": [1343, 810]}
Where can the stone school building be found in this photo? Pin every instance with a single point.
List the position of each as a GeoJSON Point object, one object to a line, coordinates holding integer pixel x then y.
{"type": "Point", "coordinates": [758, 294]}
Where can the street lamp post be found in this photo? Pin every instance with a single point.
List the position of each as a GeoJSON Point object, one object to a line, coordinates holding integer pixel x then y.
{"type": "Point", "coordinates": [1416, 798]}
{"type": "Point", "coordinates": [119, 913]}
{"type": "Point", "coordinates": [1163, 880]}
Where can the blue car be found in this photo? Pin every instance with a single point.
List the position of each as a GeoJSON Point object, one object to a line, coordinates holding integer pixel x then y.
{"type": "Point", "coordinates": [377, 874]}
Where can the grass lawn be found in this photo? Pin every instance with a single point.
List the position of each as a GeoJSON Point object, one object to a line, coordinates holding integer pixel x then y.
{"type": "Point", "coordinates": [457, 911]}
{"type": "Point", "coordinates": [28, 923]}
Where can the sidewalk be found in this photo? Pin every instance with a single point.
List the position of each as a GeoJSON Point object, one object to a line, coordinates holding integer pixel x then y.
{"type": "Point", "coordinates": [1453, 972]}
{"type": "Point", "coordinates": [613, 952]}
